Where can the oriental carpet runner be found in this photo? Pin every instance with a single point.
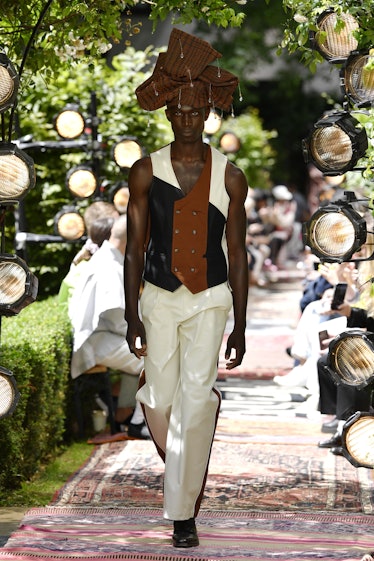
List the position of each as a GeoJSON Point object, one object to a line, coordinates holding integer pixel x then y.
{"type": "Point", "coordinates": [101, 534]}
{"type": "Point", "coordinates": [255, 464]}
{"type": "Point", "coordinates": [271, 494]}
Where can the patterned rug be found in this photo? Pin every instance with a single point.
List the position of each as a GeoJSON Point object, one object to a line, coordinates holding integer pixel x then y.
{"type": "Point", "coordinates": [255, 464]}
{"type": "Point", "coordinates": [262, 359]}
{"type": "Point", "coordinates": [99, 534]}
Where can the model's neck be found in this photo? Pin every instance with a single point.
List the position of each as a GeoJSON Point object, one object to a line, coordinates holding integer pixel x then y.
{"type": "Point", "coordinates": [195, 151]}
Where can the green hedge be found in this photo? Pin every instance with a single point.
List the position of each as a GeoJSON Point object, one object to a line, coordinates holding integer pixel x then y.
{"type": "Point", "coordinates": [36, 348]}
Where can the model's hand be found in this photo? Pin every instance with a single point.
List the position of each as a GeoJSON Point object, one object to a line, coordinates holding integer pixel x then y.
{"type": "Point", "coordinates": [235, 341]}
{"type": "Point", "coordinates": [136, 339]}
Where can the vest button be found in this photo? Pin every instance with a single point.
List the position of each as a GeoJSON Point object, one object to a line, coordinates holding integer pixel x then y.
{"type": "Point", "coordinates": [194, 232]}
{"type": "Point", "coordinates": [192, 269]}
{"type": "Point", "coordinates": [176, 230]}
{"type": "Point", "coordinates": [177, 211]}
{"type": "Point", "coordinates": [176, 269]}
{"type": "Point", "coordinates": [193, 250]}
{"type": "Point", "coordinates": [176, 250]}
{"type": "Point", "coordinates": [194, 213]}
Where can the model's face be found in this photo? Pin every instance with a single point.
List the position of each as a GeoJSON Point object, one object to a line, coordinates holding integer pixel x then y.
{"type": "Point", "coordinates": [187, 122]}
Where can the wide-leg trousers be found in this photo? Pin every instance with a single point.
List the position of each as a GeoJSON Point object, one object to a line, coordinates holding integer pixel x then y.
{"type": "Point", "coordinates": [181, 405]}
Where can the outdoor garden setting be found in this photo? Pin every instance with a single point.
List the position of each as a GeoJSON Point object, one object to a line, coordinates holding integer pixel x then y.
{"type": "Point", "coordinates": [304, 101]}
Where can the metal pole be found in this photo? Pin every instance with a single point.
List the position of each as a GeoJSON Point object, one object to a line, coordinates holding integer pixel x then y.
{"type": "Point", "coordinates": [96, 145]}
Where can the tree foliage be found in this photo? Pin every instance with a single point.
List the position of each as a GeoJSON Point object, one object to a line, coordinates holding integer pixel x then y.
{"type": "Point", "coordinates": [302, 19]}
{"type": "Point", "coordinates": [57, 33]}
{"type": "Point", "coordinates": [118, 115]}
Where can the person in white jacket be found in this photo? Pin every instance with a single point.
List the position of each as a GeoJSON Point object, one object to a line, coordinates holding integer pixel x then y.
{"type": "Point", "coordinates": [97, 313]}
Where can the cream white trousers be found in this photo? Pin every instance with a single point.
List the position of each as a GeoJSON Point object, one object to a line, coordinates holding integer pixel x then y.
{"type": "Point", "coordinates": [181, 406]}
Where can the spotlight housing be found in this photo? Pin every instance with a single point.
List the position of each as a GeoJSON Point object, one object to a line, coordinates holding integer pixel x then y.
{"type": "Point", "coordinates": [18, 286]}
{"type": "Point", "coordinates": [119, 195]}
{"type": "Point", "coordinates": [81, 182]}
{"type": "Point", "coordinates": [9, 394]}
{"type": "Point", "coordinates": [335, 232]}
{"type": "Point", "coordinates": [9, 83]}
{"type": "Point", "coordinates": [358, 439]}
{"type": "Point", "coordinates": [126, 152]}
{"type": "Point", "coordinates": [350, 360]}
{"type": "Point", "coordinates": [336, 143]}
{"type": "Point", "coordinates": [334, 39]}
{"type": "Point", "coordinates": [357, 78]}
{"type": "Point", "coordinates": [69, 122]}
{"type": "Point", "coordinates": [17, 173]}
{"type": "Point", "coordinates": [69, 224]}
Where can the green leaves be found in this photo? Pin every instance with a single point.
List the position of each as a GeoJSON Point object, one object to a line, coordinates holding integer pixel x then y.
{"type": "Point", "coordinates": [83, 30]}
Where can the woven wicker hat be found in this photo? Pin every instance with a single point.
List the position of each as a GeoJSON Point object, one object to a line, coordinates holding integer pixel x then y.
{"type": "Point", "coordinates": [184, 75]}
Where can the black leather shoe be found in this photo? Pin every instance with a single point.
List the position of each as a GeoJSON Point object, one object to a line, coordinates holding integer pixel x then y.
{"type": "Point", "coordinates": [334, 441]}
{"type": "Point", "coordinates": [138, 431]}
{"type": "Point", "coordinates": [185, 534]}
{"type": "Point", "coordinates": [337, 451]}
{"type": "Point", "coordinates": [331, 426]}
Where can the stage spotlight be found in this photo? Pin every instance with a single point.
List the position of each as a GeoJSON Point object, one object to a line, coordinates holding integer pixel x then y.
{"type": "Point", "coordinates": [119, 195]}
{"type": "Point", "coordinates": [17, 173]}
{"type": "Point", "coordinates": [126, 152]}
{"type": "Point", "coordinates": [9, 83]}
{"type": "Point", "coordinates": [357, 79]}
{"type": "Point", "coordinates": [69, 224]}
{"type": "Point", "coordinates": [229, 143]}
{"type": "Point", "coordinates": [18, 286]}
{"type": "Point", "coordinates": [358, 439]}
{"type": "Point", "coordinates": [335, 232]}
{"type": "Point", "coordinates": [69, 122]}
{"type": "Point", "coordinates": [334, 38]}
{"type": "Point", "coordinates": [9, 394]}
{"type": "Point", "coordinates": [81, 182]}
{"type": "Point", "coordinates": [350, 360]}
{"type": "Point", "coordinates": [336, 143]}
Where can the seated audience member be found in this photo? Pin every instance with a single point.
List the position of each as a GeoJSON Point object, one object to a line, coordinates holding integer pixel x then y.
{"type": "Point", "coordinates": [95, 211]}
{"type": "Point", "coordinates": [97, 313]}
{"type": "Point", "coordinates": [306, 345]}
{"type": "Point", "coordinates": [342, 401]}
{"type": "Point", "coordinates": [257, 238]}
{"type": "Point", "coordinates": [282, 217]}
{"type": "Point", "coordinates": [100, 230]}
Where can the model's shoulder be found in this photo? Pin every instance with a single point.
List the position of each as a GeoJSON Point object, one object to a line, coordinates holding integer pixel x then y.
{"type": "Point", "coordinates": [143, 165]}
{"type": "Point", "coordinates": [234, 173]}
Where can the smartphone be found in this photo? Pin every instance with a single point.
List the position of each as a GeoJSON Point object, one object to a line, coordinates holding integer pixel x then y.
{"type": "Point", "coordinates": [323, 335]}
{"type": "Point", "coordinates": [339, 295]}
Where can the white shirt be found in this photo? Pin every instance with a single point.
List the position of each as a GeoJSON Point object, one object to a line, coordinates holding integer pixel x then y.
{"type": "Point", "coordinates": [97, 309]}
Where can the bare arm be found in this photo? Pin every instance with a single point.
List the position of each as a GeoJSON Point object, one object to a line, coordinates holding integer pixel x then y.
{"type": "Point", "coordinates": [237, 188]}
{"type": "Point", "coordinates": [137, 219]}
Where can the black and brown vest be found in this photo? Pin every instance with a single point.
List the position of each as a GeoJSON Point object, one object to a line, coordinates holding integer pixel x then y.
{"type": "Point", "coordinates": [187, 241]}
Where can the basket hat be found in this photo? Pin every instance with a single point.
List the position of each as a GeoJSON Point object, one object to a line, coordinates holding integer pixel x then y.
{"type": "Point", "coordinates": [183, 74]}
